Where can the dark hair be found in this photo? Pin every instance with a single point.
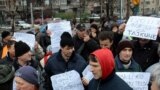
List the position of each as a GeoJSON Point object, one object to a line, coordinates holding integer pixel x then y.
{"type": "Point", "coordinates": [106, 35]}
{"type": "Point", "coordinates": [114, 25]}
{"type": "Point", "coordinates": [92, 58]}
{"type": "Point", "coordinates": [10, 43]}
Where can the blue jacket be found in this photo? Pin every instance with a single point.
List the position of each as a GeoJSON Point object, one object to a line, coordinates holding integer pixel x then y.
{"type": "Point", "coordinates": [134, 67]}
{"type": "Point", "coordinates": [56, 65]}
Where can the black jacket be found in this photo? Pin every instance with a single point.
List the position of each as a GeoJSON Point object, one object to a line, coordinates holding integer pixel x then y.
{"type": "Point", "coordinates": [88, 47]}
{"type": "Point", "coordinates": [147, 55]}
{"type": "Point", "coordinates": [32, 63]}
{"type": "Point", "coordinates": [113, 82]}
{"type": "Point", "coordinates": [56, 65]}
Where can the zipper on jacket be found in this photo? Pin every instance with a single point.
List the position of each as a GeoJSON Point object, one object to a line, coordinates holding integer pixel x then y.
{"type": "Point", "coordinates": [98, 84]}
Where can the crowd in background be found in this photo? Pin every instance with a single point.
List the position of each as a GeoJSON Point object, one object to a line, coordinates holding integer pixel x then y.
{"type": "Point", "coordinates": [103, 46]}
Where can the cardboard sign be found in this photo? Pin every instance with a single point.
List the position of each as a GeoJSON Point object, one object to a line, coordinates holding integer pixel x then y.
{"type": "Point", "coordinates": [142, 27]}
{"type": "Point", "coordinates": [57, 29]}
{"type": "Point", "coordinates": [25, 37]}
{"type": "Point", "coordinates": [136, 80]}
{"type": "Point", "coordinates": [67, 81]}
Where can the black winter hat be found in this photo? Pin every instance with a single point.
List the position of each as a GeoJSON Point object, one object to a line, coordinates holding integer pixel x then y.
{"type": "Point", "coordinates": [66, 40]}
{"type": "Point", "coordinates": [21, 48]}
{"type": "Point", "coordinates": [124, 44]}
{"type": "Point", "coordinates": [5, 34]}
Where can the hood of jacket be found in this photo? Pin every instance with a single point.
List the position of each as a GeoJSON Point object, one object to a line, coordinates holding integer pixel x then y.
{"type": "Point", "coordinates": [106, 60]}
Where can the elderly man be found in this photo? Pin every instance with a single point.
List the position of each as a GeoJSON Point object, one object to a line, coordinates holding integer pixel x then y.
{"type": "Point", "coordinates": [26, 78]}
{"type": "Point", "coordinates": [155, 77]}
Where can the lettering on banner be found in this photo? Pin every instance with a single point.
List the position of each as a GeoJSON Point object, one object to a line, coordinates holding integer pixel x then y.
{"type": "Point", "coordinates": [137, 80]}
{"type": "Point", "coordinates": [67, 81]}
{"type": "Point", "coordinates": [142, 27]}
{"type": "Point", "coordinates": [57, 29]}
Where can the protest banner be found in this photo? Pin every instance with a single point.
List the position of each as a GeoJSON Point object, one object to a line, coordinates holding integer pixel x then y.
{"type": "Point", "coordinates": [25, 37]}
{"type": "Point", "coordinates": [57, 29]}
{"type": "Point", "coordinates": [136, 80]}
{"type": "Point", "coordinates": [67, 81]}
{"type": "Point", "coordinates": [142, 27]}
{"type": "Point", "coordinates": [87, 74]}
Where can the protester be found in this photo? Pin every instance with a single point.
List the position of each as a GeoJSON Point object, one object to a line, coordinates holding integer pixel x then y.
{"type": "Point", "coordinates": [38, 34]}
{"type": "Point", "coordinates": [48, 54]}
{"type": "Point", "coordinates": [84, 45]}
{"type": "Point", "coordinates": [114, 27]}
{"type": "Point", "coordinates": [6, 36]}
{"type": "Point", "coordinates": [106, 39]}
{"type": "Point", "coordinates": [23, 56]}
{"type": "Point", "coordinates": [94, 31]}
{"type": "Point", "coordinates": [64, 60]}
{"type": "Point", "coordinates": [155, 77]}
{"type": "Point", "coordinates": [10, 56]}
{"type": "Point", "coordinates": [109, 39]}
{"type": "Point", "coordinates": [124, 60]}
{"type": "Point", "coordinates": [45, 39]}
{"type": "Point", "coordinates": [26, 78]}
{"type": "Point", "coordinates": [103, 68]}
{"type": "Point", "coordinates": [145, 53]}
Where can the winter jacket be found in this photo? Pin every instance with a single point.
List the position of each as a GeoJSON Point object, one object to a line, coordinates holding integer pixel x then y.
{"type": "Point", "coordinates": [109, 80]}
{"type": "Point", "coordinates": [134, 67]}
{"type": "Point", "coordinates": [56, 65]}
{"type": "Point", "coordinates": [6, 76]}
{"type": "Point", "coordinates": [88, 47]}
{"type": "Point", "coordinates": [32, 63]}
{"type": "Point", "coordinates": [147, 55]}
{"type": "Point", "coordinates": [113, 82]}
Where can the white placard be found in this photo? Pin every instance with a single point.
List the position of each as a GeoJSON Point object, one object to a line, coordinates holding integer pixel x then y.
{"type": "Point", "coordinates": [87, 74]}
{"type": "Point", "coordinates": [25, 37]}
{"type": "Point", "coordinates": [142, 27]}
{"type": "Point", "coordinates": [67, 81]}
{"type": "Point", "coordinates": [136, 80]}
{"type": "Point", "coordinates": [57, 29]}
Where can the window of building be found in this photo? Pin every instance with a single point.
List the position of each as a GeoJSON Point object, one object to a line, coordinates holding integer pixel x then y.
{"type": "Point", "coordinates": [147, 2]}
{"type": "Point", "coordinates": [2, 2]}
{"type": "Point", "coordinates": [147, 9]}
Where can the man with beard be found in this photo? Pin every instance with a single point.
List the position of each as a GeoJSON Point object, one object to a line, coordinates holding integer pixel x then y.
{"type": "Point", "coordinates": [64, 60]}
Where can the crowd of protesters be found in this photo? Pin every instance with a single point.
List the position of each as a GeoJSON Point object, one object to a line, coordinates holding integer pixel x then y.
{"type": "Point", "coordinates": [103, 47]}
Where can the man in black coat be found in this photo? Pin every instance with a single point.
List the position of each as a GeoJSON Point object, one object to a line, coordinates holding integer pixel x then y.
{"type": "Point", "coordinates": [103, 69]}
{"type": "Point", "coordinates": [64, 60]}
{"type": "Point", "coordinates": [145, 52]}
{"type": "Point", "coordinates": [84, 45]}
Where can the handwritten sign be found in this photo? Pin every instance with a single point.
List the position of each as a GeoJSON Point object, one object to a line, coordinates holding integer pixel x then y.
{"type": "Point", "coordinates": [27, 38]}
{"type": "Point", "coordinates": [87, 74]}
{"type": "Point", "coordinates": [137, 80]}
{"type": "Point", "coordinates": [57, 29]}
{"type": "Point", "coordinates": [142, 27]}
{"type": "Point", "coordinates": [67, 81]}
